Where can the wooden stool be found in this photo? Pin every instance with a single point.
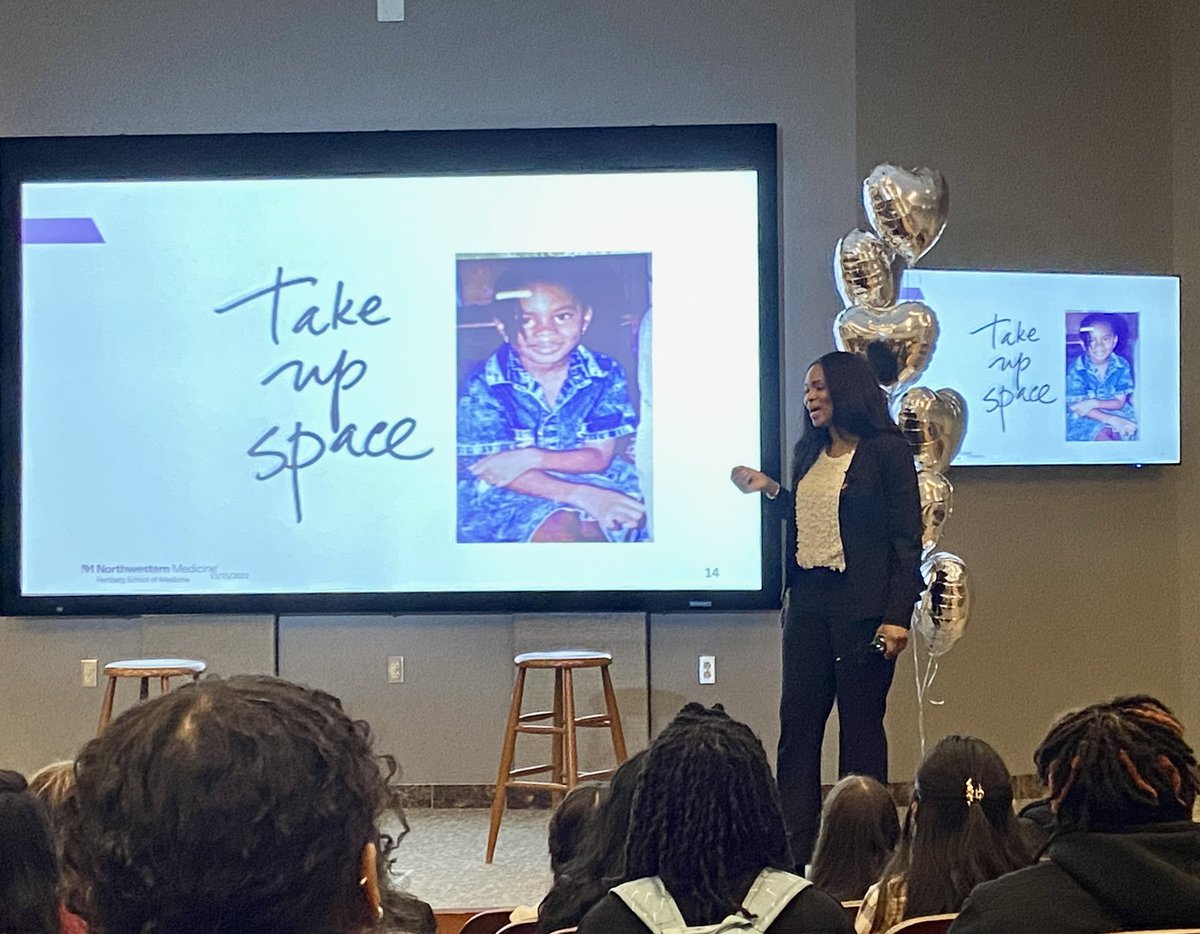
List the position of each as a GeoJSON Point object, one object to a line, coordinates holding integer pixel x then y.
{"type": "Point", "coordinates": [564, 763]}
{"type": "Point", "coordinates": [145, 668]}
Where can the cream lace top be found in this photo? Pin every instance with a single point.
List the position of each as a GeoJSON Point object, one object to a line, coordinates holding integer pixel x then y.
{"type": "Point", "coordinates": [818, 532]}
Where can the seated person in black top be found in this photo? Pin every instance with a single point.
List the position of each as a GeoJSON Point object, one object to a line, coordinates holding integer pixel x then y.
{"type": "Point", "coordinates": [1124, 854]}
{"type": "Point", "coordinates": [706, 842]}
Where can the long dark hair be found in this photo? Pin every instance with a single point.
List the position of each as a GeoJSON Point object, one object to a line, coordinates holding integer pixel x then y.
{"type": "Point", "coordinates": [859, 831]}
{"type": "Point", "coordinates": [859, 407]}
{"type": "Point", "coordinates": [28, 868]}
{"type": "Point", "coordinates": [599, 859]}
{"type": "Point", "coordinates": [955, 835]}
{"type": "Point", "coordinates": [572, 822]}
{"type": "Point", "coordinates": [706, 813]}
{"type": "Point", "coordinates": [1118, 764]}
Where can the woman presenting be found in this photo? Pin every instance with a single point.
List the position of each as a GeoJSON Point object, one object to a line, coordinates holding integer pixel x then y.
{"type": "Point", "coordinates": [853, 574]}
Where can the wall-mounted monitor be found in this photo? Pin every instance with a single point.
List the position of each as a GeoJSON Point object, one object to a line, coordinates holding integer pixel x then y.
{"type": "Point", "coordinates": [389, 372]}
{"type": "Point", "coordinates": [1057, 368]}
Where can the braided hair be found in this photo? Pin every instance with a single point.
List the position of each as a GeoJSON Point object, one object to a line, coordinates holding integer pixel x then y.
{"type": "Point", "coordinates": [1118, 764]}
{"type": "Point", "coordinates": [705, 814]}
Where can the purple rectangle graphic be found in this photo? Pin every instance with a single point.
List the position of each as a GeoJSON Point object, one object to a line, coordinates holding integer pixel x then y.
{"type": "Point", "coordinates": [60, 230]}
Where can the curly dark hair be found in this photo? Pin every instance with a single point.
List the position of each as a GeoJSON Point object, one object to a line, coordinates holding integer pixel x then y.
{"type": "Point", "coordinates": [1118, 764]}
{"type": "Point", "coordinates": [229, 805]}
{"type": "Point", "coordinates": [28, 868]}
{"type": "Point", "coordinates": [859, 831]}
{"type": "Point", "coordinates": [859, 407]}
{"type": "Point", "coordinates": [950, 843]}
{"type": "Point", "coordinates": [706, 813]}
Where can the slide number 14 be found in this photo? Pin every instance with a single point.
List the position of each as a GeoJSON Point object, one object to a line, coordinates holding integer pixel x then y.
{"type": "Point", "coordinates": [712, 572]}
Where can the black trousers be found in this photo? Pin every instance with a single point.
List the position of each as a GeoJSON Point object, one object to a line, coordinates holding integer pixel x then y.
{"type": "Point", "coordinates": [826, 658]}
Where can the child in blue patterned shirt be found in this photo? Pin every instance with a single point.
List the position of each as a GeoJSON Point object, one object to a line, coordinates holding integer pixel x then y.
{"type": "Point", "coordinates": [538, 425]}
{"type": "Point", "coordinates": [1100, 387]}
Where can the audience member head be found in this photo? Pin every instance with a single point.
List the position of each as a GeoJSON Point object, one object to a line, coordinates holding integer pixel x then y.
{"type": "Point", "coordinates": [859, 831]}
{"type": "Point", "coordinates": [52, 783]}
{"type": "Point", "coordinates": [960, 829]}
{"type": "Point", "coordinates": [599, 860]}
{"type": "Point", "coordinates": [1118, 764]}
{"type": "Point", "coordinates": [706, 812]}
{"type": "Point", "coordinates": [572, 821]}
{"type": "Point", "coordinates": [247, 804]}
{"type": "Point", "coordinates": [28, 869]}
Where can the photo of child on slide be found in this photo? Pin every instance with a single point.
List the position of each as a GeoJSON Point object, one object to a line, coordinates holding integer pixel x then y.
{"type": "Point", "coordinates": [549, 400]}
{"type": "Point", "coordinates": [1101, 349]}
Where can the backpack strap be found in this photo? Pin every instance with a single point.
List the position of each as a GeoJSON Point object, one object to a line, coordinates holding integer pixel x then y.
{"type": "Point", "coordinates": [772, 891]}
{"type": "Point", "coordinates": [770, 894]}
{"type": "Point", "coordinates": [649, 899]}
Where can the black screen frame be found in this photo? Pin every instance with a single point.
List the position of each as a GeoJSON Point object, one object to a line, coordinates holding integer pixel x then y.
{"type": "Point", "coordinates": [385, 153]}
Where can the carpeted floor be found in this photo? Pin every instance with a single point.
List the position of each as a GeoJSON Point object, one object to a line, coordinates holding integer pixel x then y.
{"type": "Point", "coordinates": [441, 859]}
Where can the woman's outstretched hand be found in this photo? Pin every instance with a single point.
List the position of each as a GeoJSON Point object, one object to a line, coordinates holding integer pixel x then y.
{"type": "Point", "coordinates": [749, 480]}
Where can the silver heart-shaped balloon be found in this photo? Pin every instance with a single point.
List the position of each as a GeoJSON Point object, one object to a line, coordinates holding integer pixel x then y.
{"type": "Point", "coordinates": [907, 208]}
{"type": "Point", "coordinates": [945, 608]}
{"type": "Point", "coordinates": [937, 503]}
{"type": "Point", "coordinates": [866, 271]}
{"type": "Point", "coordinates": [934, 423]}
{"type": "Point", "coordinates": [899, 340]}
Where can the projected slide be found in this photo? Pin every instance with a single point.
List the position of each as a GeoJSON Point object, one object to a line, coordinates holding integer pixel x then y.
{"type": "Point", "coordinates": [390, 384]}
{"type": "Point", "coordinates": [1057, 368]}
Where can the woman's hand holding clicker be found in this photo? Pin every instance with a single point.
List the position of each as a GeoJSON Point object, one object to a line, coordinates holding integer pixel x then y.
{"type": "Point", "coordinates": [895, 639]}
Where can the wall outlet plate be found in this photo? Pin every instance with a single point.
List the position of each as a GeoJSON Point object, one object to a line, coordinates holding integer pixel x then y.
{"type": "Point", "coordinates": [389, 11]}
{"type": "Point", "coordinates": [395, 669]}
{"type": "Point", "coordinates": [708, 669]}
{"type": "Point", "coordinates": [88, 672]}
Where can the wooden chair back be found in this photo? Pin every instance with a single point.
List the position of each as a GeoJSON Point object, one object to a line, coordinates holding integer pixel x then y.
{"type": "Point", "coordinates": [452, 920]}
{"type": "Point", "coordinates": [851, 908]}
{"type": "Point", "coordinates": [927, 924]}
{"type": "Point", "coordinates": [519, 927]}
{"type": "Point", "coordinates": [489, 921]}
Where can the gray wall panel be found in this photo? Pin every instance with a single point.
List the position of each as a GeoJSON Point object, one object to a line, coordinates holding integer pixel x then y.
{"type": "Point", "coordinates": [1056, 126]}
{"type": "Point", "coordinates": [444, 723]}
{"type": "Point", "coordinates": [49, 714]}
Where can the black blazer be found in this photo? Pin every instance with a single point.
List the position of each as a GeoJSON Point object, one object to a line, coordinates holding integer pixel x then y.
{"type": "Point", "coordinates": [880, 519]}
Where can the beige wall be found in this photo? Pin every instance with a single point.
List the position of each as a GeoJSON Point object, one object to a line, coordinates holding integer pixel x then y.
{"type": "Point", "coordinates": [1059, 126]}
{"type": "Point", "coordinates": [1185, 113]}
{"type": "Point", "coordinates": [1053, 123]}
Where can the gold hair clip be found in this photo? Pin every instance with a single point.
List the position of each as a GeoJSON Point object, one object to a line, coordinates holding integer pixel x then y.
{"type": "Point", "coordinates": [974, 792]}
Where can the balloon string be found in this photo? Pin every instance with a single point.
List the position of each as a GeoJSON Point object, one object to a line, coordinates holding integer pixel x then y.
{"type": "Point", "coordinates": [929, 683]}
{"type": "Point", "coordinates": [920, 699]}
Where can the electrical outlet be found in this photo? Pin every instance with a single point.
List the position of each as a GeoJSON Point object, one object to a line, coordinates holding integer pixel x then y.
{"type": "Point", "coordinates": [87, 672]}
{"type": "Point", "coordinates": [395, 669]}
{"type": "Point", "coordinates": [708, 669]}
{"type": "Point", "coordinates": [389, 11]}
